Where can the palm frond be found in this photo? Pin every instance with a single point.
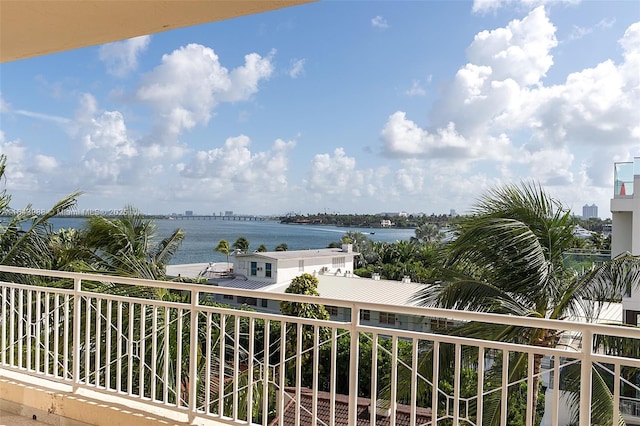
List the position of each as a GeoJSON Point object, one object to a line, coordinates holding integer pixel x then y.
{"type": "Point", "coordinates": [168, 247]}
{"type": "Point", "coordinates": [30, 248]}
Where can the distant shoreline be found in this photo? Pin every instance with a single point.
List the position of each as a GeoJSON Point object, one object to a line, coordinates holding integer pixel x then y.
{"type": "Point", "coordinates": [337, 225]}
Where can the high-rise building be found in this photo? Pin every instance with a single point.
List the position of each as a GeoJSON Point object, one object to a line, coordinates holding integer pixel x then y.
{"type": "Point", "coordinates": [589, 211]}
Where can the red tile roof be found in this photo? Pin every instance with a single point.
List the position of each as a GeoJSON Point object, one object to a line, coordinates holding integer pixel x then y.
{"type": "Point", "coordinates": [403, 412]}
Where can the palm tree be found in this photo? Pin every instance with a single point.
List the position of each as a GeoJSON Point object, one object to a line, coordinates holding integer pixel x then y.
{"type": "Point", "coordinates": [224, 248]}
{"type": "Point", "coordinates": [261, 248]}
{"type": "Point", "coordinates": [427, 232]}
{"type": "Point", "coordinates": [66, 248]}
{"type": "Point", "coordinates": [361, 244]}
{"type": "Point", "coordinates": [24, 237]}
{"type": "Point", "coordinates": [508, 258]}
{"type": "Point", "coordinates": [241, 244]}
{"type": "Point", "coordinates": [127, 246]}
{"type": "Point", "coordinates": [282, 247]}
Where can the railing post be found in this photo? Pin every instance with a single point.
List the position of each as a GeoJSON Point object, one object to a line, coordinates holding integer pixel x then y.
{"type": "Point", "coordinates": [77, 320]}
{"type": "Point", "coordinates": [353, 365]}
{"type": "Point", "coordinates": [585, 377]}
{"type": "Point", "coordinates": [193, 356]}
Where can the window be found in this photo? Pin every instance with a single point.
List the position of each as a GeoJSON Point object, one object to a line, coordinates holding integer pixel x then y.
{"type": "Point", "coordinates": [337, 262]}
{"type": "Point", "coordinates": [227, 297]}
{"type": "Point", "coordinates": [365, 315]}
{"type": "Point", "coordinates": [387, 318]}
{"type": "Point", "coordinates": [247, 301]}
{"type": "Point", "coordinates": [254, 269]}
{"type": "Point", "coordinates": [333, 310]}
{"type": "Point", "coordinates": [632, 317]}
{"type": "Point", "coordinates": [300, 265]}
{"type": "Point", "coordinates": [267, 270]}
{"type": "Point", "coordinates": [265, 303]}
{"type": "Point", "coordinates": [440, 324]}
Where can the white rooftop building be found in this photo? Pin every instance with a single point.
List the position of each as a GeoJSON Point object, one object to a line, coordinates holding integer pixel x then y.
{"type": "Point", "coordinates": [272, 272]}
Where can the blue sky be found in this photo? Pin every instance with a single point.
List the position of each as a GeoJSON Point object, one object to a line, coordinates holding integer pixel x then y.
{"type": "Point", "coordinates": [335, 106]}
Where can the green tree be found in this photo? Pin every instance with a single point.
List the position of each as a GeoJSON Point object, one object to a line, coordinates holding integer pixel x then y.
{"type": "Point", "coordinates": [305, 284]}
{"type": "Point", "coordinates": [508, 259]}
{"type": "Point", "coordinates": [427, 232]}
{"type": "Point", "coordinates": [261, 248]}
{"type": "Point", "coordinates": [282, 247]}
{"type": "Point", "coordinates": [241, 244]}
{"type": "Point", "coordinates": [24, 237]}
{"type": "Point", "coordinates": [66, 248]}
{"type": "Point", "coordinates": [125, 245]}
{"type": "Point", "coordinates": [361, 244]}
{"type": "Point", "coordinates": [224, 248]}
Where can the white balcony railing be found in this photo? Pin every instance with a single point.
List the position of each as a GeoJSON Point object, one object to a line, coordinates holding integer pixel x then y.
{"type": "Point", "coordinates": [247, 367]}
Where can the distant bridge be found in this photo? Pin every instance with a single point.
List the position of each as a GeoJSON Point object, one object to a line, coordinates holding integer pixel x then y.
{"type": "Point", "coordinates": [214, 217]}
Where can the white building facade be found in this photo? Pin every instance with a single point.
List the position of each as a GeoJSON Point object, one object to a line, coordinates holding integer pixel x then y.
{"type": "Point", "coordinates": [282, 266]}
{"type": "Point", "coordinates": [625, 232]}
{"type": "Point", "coordinates": [272, 272]}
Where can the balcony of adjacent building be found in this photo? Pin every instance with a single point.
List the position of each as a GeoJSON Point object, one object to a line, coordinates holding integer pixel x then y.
{"type": "Point", "coordinates": [624, 175]}
{"type": "Point", "coordinates": [103, 350]}
{"type": "Point", "coordinates": [625, 208]}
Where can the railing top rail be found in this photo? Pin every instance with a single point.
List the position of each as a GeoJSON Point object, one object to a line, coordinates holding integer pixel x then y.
{"type": "Point", "coordinates": [454, 315]}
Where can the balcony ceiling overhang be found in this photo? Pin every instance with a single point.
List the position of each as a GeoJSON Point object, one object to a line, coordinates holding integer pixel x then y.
{"type": "Point", "coordinates": [37, 27]}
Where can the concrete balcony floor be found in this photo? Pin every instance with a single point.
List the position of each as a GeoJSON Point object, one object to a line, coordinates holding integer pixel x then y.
{"type": "Point", "coordinates": [10, 419]}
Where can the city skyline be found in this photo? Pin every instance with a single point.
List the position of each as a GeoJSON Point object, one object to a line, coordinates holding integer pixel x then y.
{"type": "Point", "coordinates": [353, 107]}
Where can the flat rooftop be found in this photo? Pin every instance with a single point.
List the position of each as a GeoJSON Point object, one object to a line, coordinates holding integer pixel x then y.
{"type": "Point", "coordinates": [299, 254]}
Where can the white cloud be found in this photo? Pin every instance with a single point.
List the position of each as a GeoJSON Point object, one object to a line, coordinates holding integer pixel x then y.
{"type": "Point", "coordinates": [578, 32]}
{"type": "Point", "coordinates": [30, 170]}
{"type": "Point", "coordinates": [297, 68]}
{"type": "Point", "coordinates": [4, 105]}
{"type": "Point", "coordinates": [244, 80]}
{"type": "Point", "coordinates": [18, 175]}
{"type": "Point", "coordinates": [404, 138]}
{"type": "Point", "coordinates": [105, 151]}
{"type": "Point", "coordinates": [45, 163]}
{"type": "Point", "coordinates": [14, 150]}
{"type": "Point", "coordinates": [410, 179]}
{"type": "Point", "coordinates": [485, 6]}
{"type": "Point", "coordinates": [551, 166]}
{"type": "Point", "coordinates": [379, 22]}
{"type": "Point", "coordinates": [121, 57]}
{"type": "Point", "coordinates": [188, 84]}
{"type": "Point", "coordinates": [505, 65]}
{"type": "Point", "coordinates": [337, 177]}
{"type": "Point", "coordinates": [233, 168]}
{"type": "Point", "coordinates": [416, 89]}
{"type": "Point", "coordinates": [182, 93]}
{"type": "Point", "coordinates": [606, 23]}
{"type": "Point", "coordinates": [519, 51]}
{"type": "Point", "coordinates": [593, 105]}
{"type": "Point", "coordinates": [45, 117]}
{"type": "Point", "coordinates": [498, 108]}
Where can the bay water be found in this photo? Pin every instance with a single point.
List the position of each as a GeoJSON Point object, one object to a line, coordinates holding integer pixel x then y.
{"type": "Point", "coordinates": [202, 236]}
